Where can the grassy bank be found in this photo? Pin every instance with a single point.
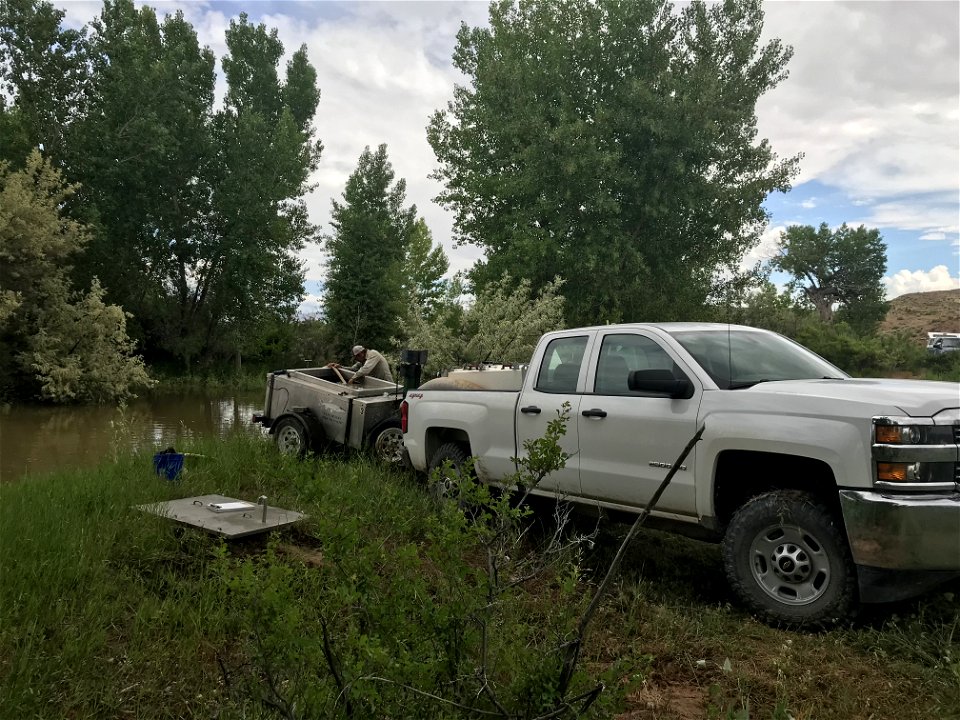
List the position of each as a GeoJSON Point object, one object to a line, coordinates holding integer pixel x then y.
{"type": "Point", "coordinates": [373, 607]}
{"type": "Point", "coordinates": [252, 378]}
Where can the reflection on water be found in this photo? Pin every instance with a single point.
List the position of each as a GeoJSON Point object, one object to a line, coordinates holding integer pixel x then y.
{"type": "Point", "coordinates": [38, 439]}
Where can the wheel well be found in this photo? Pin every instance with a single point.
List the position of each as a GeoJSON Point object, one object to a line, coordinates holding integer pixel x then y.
{"type": "Point", "coordinates": [314, 429]}
{"type": "Point", "coordinates": [441, 436]}
{"type": "Point", "coordinates": [380, 427]}
{"type": "Point", "coordinates": [743, 474]}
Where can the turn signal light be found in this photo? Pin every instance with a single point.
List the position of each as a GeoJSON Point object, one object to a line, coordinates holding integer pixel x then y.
{"type": "Point", "coordinates": [888, 434]}
{"type": "Point", "coordinates": [897, 434]}
{"type": "Point", "coordinates": [892, 472]}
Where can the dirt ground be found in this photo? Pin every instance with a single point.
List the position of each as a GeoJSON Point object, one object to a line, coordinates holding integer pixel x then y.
{"type": "Point", "coordinates": [920, 313]}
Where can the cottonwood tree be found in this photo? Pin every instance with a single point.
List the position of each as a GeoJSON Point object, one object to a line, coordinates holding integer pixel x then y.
{"type": "Point", "coordinates": [42, 70]}
{"type": "Point", "coordinates": [501, 323]}
{"type": "Point", "coordinates": [143, 149]}
{"type": "Point", "coordinates": [424, 265]}
{"type": "Point", "coordinates": [612, 144]}
{"type": "Point", "coordinates": [364, 300]}
{"type": "Point", "coordinates": [61, 345]}
{"type": "Point", "coordinates": [841, 267]}
{"type": "Point", "coordinates": [196, 215]}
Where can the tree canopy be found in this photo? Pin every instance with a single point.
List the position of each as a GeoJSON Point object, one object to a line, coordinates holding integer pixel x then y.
{"type": "Point", "coordinates": [612, 144]}
{"type": "Point", "coordinates": [841, 267]}
{"type": "Point", "coordinates": [196, 215]}
{"type": "Point", "coordinates": [372, 228]}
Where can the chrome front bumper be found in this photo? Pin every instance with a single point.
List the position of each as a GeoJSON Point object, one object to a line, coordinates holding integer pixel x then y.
{"type": "Point", "coordinates": [903, 532]}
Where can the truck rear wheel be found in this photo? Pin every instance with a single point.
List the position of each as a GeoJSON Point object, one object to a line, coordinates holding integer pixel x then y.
{"type": "Point", "coordinates": [441, 482]}
{"type": "Point", "coordinates": [786, 556]}
{"type": "Point", "coordinates": [292, 437]}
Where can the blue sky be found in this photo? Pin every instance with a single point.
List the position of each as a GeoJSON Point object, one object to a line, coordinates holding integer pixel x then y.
{"type": "Point", "coordinates": [872, 102]}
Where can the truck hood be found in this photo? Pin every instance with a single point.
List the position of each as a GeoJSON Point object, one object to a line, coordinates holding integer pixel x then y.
{"type": "Point", "coordinates": [917, 398]}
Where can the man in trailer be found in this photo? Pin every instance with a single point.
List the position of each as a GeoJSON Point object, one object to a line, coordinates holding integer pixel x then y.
{"type": "Point", "coordinates": [367, 362]}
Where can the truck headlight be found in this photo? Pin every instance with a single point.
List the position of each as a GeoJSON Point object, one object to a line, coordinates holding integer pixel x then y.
{"type": "Point", "coordinates": [913, 434]}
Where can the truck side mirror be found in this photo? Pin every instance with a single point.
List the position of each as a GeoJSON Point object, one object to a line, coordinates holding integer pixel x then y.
{"type": "Point", "coordinates": [660, 381]}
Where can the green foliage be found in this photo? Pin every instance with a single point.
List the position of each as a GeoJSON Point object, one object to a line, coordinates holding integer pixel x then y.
{"type": "Point", "coordinates": [841, 345]}
{"type": "Point", "coordinates": [881, 355]}
{"type": "Point", "coordinates": [106, 611]}
{"type": "Point", "coordinates": [496, 523]}
{"type": "Point", "coordinates": [766, 308]}
{"type": "Point", "coordinates": [424, 266]}
{"type": "Point", "coordinates": [502, 323]}
{"type": "Point", "coordinates": [367, 252]}
{"type": "Point", "coordinates": [43, 67]}
{"type": "Point", "coordinates": [842, 267]}
{"type": "Point", "coordinates": [63, 345]}
{"type": "Point", "coordinates": [196, 215]}
{"type": "Point", "coordinates": [614, 145]}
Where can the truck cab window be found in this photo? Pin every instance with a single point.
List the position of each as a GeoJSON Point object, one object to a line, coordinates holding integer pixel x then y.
{"type": "Point", "coordinates": [620, 354]}
{"type": "Point", "coordinates": [560, 366]}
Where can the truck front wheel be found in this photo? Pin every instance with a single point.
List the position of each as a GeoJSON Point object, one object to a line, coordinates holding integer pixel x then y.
{"type": "Point", "coordinates": [292, 437]}
{"type": "Point", "coordinates": [786, 556]}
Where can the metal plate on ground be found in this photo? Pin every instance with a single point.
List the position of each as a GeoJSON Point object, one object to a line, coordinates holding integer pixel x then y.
{"type": "Point", "coordinates": [206, 512]}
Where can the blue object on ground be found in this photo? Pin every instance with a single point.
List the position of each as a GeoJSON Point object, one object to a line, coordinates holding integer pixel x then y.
{"type": "Point", "coordinates": [169, 464]}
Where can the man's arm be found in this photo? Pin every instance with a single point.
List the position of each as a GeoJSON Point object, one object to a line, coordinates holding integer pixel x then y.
{"type": "Point", "coordinates": [365, 369]}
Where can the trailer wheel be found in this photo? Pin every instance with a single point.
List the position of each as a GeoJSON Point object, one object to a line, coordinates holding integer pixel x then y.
{"type": "Point", "coordinates": [442, 482]}
{"type": "Point", "coordinates": [786, 556]}
{"type": "Point", "coordinates": [387, 443]}
{"type": "Point", "coordinates": [292, 437]}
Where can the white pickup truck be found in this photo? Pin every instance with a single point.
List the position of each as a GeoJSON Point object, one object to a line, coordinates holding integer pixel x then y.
{"type": "Point", "coordinates": [824, 490]}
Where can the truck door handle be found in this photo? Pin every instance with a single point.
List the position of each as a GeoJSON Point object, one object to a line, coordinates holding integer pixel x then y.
{"type": "Point", "coordinates": [594, 412]}
{"type": "Point", "coordinates": [530, 410]}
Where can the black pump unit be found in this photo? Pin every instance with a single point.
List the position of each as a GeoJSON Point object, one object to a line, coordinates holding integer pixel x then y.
{"type": "Point", "coordinates": [410, 369]}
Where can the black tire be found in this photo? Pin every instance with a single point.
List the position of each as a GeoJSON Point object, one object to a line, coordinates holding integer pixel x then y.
{"type": "Point", "coordinates": [446, 486]}
{"type": "Point", "coordinates": [386, 443]}
{"type": "Point", "coordinates": [786, 556]}
{"type": "Point", "coordinates": [292, 437]}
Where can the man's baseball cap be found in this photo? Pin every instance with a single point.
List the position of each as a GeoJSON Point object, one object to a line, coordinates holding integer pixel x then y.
{"type": "Point", "coordinates": [357, 349]}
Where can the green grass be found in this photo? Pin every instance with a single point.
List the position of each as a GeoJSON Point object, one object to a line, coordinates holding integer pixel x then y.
{"type": "Point", "coordinates": [250, 378]}
{"type": "Point", "coordinates": [107, 612]}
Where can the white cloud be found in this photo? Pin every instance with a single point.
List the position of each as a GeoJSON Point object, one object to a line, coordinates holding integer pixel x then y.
{"type": "Point", "coordinates": [907, 281]}
{"type": "Point", "coordinates": [311, 305]}
{"type": "Point", "coordinates": [765, 249]}
{"type": "Point", "coordinates": [934, 215]}
{"type": "Point", "coordinates": [872, 97]}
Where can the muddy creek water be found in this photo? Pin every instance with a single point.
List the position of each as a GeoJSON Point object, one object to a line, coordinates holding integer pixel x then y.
{"type": "Point", "coordinates": [39, 439]}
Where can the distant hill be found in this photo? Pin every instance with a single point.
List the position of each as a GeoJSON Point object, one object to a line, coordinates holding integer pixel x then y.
{"type": "Point", "coordinates": [920, 313]}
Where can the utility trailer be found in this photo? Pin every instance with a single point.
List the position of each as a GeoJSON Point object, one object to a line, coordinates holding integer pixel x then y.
{"type": "Point", "coordinates": [309, 409]}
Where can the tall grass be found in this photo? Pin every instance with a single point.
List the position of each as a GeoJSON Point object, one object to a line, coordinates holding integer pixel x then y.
{"type": "Point", "coordinates": [368, 608]}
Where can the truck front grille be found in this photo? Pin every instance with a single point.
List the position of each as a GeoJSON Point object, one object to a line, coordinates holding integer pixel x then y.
{"type": "Point", "coordinates": [956, 433]}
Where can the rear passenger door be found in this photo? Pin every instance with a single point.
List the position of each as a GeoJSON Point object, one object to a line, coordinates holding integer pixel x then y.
{"type": "Point", "coordinates": [628, 440]}
{"type": "Point", "coordinates": [559, 379]}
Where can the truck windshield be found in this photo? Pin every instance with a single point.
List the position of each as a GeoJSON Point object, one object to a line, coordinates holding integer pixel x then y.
{"type": "Point", "coordinates": [740, 359]}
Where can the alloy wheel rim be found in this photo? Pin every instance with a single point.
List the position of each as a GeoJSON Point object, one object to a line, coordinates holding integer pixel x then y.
{"type": "Point", "coordinates": [389, 445]}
